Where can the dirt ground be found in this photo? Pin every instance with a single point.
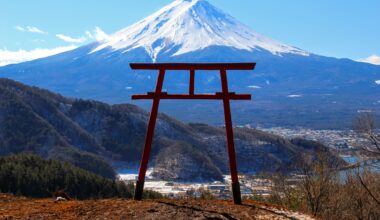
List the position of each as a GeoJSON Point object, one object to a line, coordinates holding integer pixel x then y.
{"type": "Point", "coordinates": [25, 208]}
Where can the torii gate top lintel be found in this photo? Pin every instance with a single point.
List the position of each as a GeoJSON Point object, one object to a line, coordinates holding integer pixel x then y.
{"type": "Point", "coordinates": [225, 95]}
{"type": "Point", "coordinates": [193, 66]}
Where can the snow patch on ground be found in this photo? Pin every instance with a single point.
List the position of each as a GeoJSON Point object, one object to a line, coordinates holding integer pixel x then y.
{"type": "Point", "coordinates": [254, 87]}
{"type": "Point", "coordinates": [364, 111]}
{"type": "Point", "coordinates": [294, 96]}
{"type": "Point", "coordinates": [128, 177]}
{"type": "Point", "coordinates": [132, 175]}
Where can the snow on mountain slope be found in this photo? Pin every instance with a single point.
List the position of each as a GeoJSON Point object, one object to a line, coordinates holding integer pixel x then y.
{"type": "Point", "coordinates": [195, 31]}
{"type": "Point", "coordinates": [190, 25]}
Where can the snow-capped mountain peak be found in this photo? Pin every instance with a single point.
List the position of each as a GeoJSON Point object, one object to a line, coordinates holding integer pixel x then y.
{"type": "Point", "coordinates": [190, 25]}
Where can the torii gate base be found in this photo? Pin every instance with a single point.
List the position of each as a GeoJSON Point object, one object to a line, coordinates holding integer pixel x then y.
{"type": "Point", "coordinates": [225, 95]}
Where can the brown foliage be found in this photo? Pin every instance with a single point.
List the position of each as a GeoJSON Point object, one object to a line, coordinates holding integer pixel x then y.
{"type": "Point", "coordinates": [328, 193]}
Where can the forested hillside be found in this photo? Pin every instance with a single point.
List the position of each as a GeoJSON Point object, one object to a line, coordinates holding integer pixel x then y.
{"type": "Point", "coordinates": [30, 175]}
{"type": "Point", "coordinates": [98, 137]}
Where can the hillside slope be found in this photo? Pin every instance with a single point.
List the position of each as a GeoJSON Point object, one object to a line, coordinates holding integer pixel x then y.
{"type": "Point", "coordinates": [21, 208]}
{"type": "Point", "coordinates": [92, 135]}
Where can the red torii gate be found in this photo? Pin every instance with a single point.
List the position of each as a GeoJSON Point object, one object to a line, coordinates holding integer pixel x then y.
{"type": "Point", "coordinates": [225, 95]}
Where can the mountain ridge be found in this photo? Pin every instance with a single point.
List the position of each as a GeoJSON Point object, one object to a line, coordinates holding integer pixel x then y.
{"type": "Point", "coordinates": [289, 89]}
{"type": "Point", "coordinates": [99, 137]}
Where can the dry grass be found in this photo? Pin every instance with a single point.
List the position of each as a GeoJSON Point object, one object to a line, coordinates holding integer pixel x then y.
{"type": "Point", "coordinates": [25, 208]}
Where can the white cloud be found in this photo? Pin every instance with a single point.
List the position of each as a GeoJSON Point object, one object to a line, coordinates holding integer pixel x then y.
{"type": "Point", "coordinates": [89, 35]}
{"type": "Point", "coordinates": [30, 29]}
{"type": "Point", "coordinates": [11, 57]}
{"type": "Point", "coordinates": [69, 39]}
{"type": "Point", "coordinates": [374, 59]}
{"type": "Point", "coordinates": [19, 28]}
{"type": "Point", "coordinates": [35, 30]}
{"type": "Point", "coordinates": [98, 34]}
{"type": "Point", "coordinates": [377, 82]}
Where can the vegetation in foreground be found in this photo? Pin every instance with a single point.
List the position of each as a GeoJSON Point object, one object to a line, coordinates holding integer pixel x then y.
{"type": "Point", "coordinates": [324, 193]}
{"type": "Point", "coordinates": [31, 176]}
{"type": "Point", "coordinates": [329, 193]}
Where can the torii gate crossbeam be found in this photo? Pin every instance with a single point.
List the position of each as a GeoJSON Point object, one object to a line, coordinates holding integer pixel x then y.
{"type": "Point", "coordinates": [225, 95]}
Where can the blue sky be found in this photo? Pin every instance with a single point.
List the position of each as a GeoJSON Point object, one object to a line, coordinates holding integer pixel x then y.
{"type": "Point", "coordinates": [338, 28]}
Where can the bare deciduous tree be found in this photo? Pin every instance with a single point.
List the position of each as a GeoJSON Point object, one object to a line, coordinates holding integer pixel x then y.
{"type": "Point", "coordinates": [319, 178]}
{"type": "Point", "coordinates": [365, 126]}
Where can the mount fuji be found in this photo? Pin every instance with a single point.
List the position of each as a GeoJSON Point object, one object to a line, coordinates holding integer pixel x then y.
{"type": "Point", "coordinates": [187, 26]}
{"type": "Point", "coordinates": [291, 86]}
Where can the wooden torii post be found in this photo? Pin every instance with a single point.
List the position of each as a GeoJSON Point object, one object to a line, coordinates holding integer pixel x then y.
{"type": "Point", "coordinates": [225, 95]}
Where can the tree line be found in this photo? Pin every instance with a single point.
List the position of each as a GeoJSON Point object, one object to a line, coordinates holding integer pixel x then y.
{"type": "Point", "coordinates": [30, 175]}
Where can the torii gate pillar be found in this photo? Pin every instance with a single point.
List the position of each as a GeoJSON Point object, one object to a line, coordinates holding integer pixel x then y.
{"type": "Point", "coordinates": [225, 95]}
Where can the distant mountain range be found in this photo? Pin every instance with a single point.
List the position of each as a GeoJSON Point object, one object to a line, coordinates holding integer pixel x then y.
{"type": "Point", "coordinates": [291, 87]}
{"type": "Point", "coordinates": [99, 137]}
